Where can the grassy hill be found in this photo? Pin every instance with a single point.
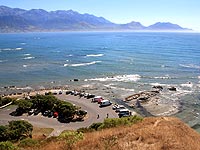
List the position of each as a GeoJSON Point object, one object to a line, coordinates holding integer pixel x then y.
{"type": "Point", "coordinates": [153, 133]}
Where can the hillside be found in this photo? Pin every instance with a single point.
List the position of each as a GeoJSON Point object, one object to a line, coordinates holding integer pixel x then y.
{"type": "Point", "coordinates": [20, 20]}
{"type": "Point", "coordinates": [151, 134]}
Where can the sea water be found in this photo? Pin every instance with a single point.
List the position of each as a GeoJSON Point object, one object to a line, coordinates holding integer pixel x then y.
{"type": "Point", "coordinates": [127, 61]}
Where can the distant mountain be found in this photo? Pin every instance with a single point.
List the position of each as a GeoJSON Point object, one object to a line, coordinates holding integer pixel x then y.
{"type": "Point", "coordinates": [20, 20]}
{"type": "Point", "coordinates": [165, 26]}
{"type": "Point", "coordinates": [133, 26]}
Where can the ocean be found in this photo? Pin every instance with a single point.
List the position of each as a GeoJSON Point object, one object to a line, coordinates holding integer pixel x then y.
{"type": "Point", "coordinates": [122, 61]}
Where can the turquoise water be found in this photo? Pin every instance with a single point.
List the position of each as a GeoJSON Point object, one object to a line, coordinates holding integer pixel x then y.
{"type": "Point", "coordinates": [123, 61]}
{"type": "Point", "coordinates": [44, 57]}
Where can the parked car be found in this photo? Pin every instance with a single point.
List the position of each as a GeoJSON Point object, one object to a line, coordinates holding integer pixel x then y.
{"type": "Point", "coordinates": [90, 96]}
{"type": "Point", "coordinates": [68, 92]}
{"type": "Point", "coordinates": [105, 103]}
{"type": "Point", "coordinates": [45, 113]}
{"type": "Point", "coordinates": [97, 98]}
{"type": "Point", "coordinates": [118, 108]}
{"type": "Point", "coordinates": [124, 113]}
{"type": "Point", "coordinates": [31, 112]}
{"type": "Point", "coordinates": [115, 106]}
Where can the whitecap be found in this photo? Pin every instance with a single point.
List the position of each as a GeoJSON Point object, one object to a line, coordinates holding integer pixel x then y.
{"type": "Point", "coordinates": [26, 58]}
{"type": "Point", "coordinates": [162, 77]}
{"type": "Point", "coordinates": [18, 48]}
{"type": "Point", "coordinates": [82, 64]}
{"type": "Point", "coordinates": [189, 84]}
{"type": "Point", "coordinates": [118, 88]}
{"type": "Point", "coordinates": [190, 66]}
{"type": "Point", "coordinates": [119, 78]}
{"type": "Point", "coordinates": [158, 84]}
{"type": "Point", "coordinates": [23, 43]}
{"type": "Point", "coordinates": [11, 49]}
{"type": "Point", "coordinates": [25, 66]}
{"type": "Point", "coordinates": [94, 55]}
{"type": "Point", "coordinates": [27, 54]}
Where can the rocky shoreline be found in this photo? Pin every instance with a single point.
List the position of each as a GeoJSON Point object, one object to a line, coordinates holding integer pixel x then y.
{"type": "Point", "coordinates": [147, 103]}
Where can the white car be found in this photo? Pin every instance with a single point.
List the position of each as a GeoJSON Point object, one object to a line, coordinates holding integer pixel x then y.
{"type": "Point", "coordinates": [105, 103]}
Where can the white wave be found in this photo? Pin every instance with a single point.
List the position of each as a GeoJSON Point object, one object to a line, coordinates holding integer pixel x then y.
{"type": "Point", "coordinates": [190, 66]}
{"type": "Point", "coordinates": [11, 49]}
{"type": "Point", "coordinates": [158, 84]}
{"type": "Point", "coordinates": [23, 43]}
{"type": "Point", "coordinates": [70, 55]}
{"type": "Point", "coordinates": [119, 78]}
{"type": "Point", "coordinates": [198, 77]}
{"type": "Point", "coordinates": [164, 77]}
{"type": "Point", "coordinates": [26, 58]}
{"type": "Point", "coordinates": [18, 48]}
{"type": "Point", "coordinates": [82, 64]}
{"type": "Point", "coordinates": [25, 66]}
{"type": "Point", "coordinates": [118, 88]}
{"type": "Point", "coordinates": [189, 84]}
{"type": "Point", "coordinates": [27, 54]}
{"type": "Point", "coordinates": [1, 61]}
{"type": "Point", "coordinates": [94, 55]}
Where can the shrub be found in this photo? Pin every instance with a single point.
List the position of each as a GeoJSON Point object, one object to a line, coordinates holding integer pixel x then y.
{"type": "Point", "coordinates": [114, 122]}
{"type": "Point", "coordinates": [95, 126]}
{"type": "Point", "coordinates": [7, 146]}
{"type": "Point", "coordinates": [28, 143]}
{"type": "Point", "coordinates": [84, 130]}
{"type": "Point", "coordinates": [71, 137]}
{"type": "Point", "coordinates": [4, 101]}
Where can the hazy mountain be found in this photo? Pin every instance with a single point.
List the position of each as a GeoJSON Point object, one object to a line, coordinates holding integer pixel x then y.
{"type": "Point", "coordinates": [20, 20]}
{"type": "Point", "coordinates": [165, 26]}
{"type": "Point", "coordinates": [133, 26]}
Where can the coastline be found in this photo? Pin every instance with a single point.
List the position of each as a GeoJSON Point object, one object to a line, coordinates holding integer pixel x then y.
{"type": "Point", "coordinates": [155, 106]}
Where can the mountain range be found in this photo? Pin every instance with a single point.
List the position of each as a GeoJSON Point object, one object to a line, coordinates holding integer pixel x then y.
{"type": "Point", "coordinates": [39, 20]}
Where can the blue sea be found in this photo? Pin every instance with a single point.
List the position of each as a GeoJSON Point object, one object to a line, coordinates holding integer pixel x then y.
{"type": "Point", "coordinates": [124, 60]}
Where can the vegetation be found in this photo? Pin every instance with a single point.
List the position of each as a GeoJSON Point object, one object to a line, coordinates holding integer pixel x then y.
{"type": "Point", "coordinates": [5, 100]}
{"type": "Point", "coordinates": [16, 130]}
{"type": "Point", "coordinates": [7, 146]}
{"type": "Point", "coordinates": [111, 123]}
{"type": "Point", "coordinates": [28, 143]}
{"type": "Point", "coordinates": [48, 105]}
{"type": "Point", "coordinates": [70, 138]}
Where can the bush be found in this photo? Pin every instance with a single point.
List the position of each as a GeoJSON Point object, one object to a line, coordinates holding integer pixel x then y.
{"type": "Point", "coordinates": [114, 122]}
{"type": "Point", "coordinates": [71, 137]}
{"type": "Point", "coordinates": [28, 143]}
{"type": "Point", "coordinates": [85, 130]}
{"type": "Point", "coordinates": [4, 101]}
{"type": "Point", "coordinates": [7, 146]}
{"type": "Point", "coordinates": [95, 126]}
{"type": "Point", "coordinates": [111, 122]}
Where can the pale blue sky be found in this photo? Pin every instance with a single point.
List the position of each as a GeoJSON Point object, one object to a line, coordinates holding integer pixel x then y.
{"type": "Point", "coordinates": [183, 12]}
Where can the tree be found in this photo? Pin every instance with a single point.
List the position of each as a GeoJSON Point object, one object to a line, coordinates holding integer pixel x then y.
{"type": "Point", "coordinates": [24, 105]}
{"type": "Point", "coordinates": [3, 133]}
{"type": "Point", "coordinates": [19, 129]}
{"type": "Point", "coordinates": [66, 110]}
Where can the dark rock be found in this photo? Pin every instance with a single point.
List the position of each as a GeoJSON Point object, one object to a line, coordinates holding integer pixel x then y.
{"type": "Point", "coordinates": [158, 87]}
{"type": "Point", "coordinates": [172, 88]}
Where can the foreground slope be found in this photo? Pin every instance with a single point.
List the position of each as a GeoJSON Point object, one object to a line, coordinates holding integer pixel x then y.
{"type": "Point", "coordinates": [151, 134]}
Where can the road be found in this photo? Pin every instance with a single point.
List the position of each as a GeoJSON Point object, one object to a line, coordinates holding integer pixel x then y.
{"type": "Point", "coordinates": [93, 110]}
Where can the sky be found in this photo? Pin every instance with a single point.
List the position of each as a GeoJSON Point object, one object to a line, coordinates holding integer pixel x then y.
{"type": "Point", "coordinates": [186, 13]}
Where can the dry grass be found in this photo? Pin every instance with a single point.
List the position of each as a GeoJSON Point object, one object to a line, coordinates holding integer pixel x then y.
{"type": "Point", "coordinates": [41, 133]}
{"type": "Point", "coordinates": [161, 133]}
